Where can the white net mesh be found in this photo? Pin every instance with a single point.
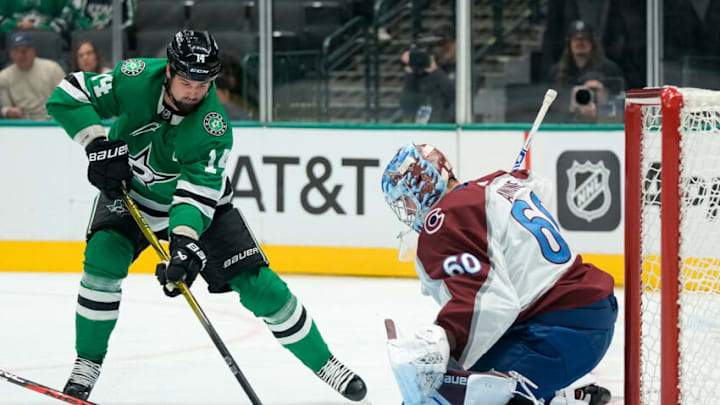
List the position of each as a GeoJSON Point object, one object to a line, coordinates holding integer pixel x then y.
{"type": "Point", "coordinates": [699, 321]}
{"type": "Point", "coordinates": [651, 150]}
{"type": "Point", "coordinates": [699, 302]}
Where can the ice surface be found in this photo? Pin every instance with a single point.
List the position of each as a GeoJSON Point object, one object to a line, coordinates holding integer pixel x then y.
{"type": "Point", "coordinates": [160, 354]}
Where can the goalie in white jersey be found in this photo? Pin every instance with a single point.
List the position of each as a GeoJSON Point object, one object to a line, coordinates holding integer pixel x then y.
{"type": "Point", "coordinates": [514, 296]}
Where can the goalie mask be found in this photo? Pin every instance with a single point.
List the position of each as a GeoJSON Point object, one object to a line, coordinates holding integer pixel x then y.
{"type": "Point", "coordinates": [414, 181]}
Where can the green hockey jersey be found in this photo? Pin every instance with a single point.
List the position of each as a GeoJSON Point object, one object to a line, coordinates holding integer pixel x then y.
{"type": "Point", "coordinates": [177, 161]}
{"type": "Point", "coordinates": [46, 14]}
{"type": "Point", "coordinates": [97, 14]}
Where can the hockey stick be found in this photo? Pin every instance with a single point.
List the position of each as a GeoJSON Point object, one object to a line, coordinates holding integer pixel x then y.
{"type": "Point", "coordinates": [53, 393]}
{"type": "Point", "coordinates": [390, 329]}
{"type": "Point", "coordinates": [547, 101]}
{"type": "Point", "coordinates": [224, 352]}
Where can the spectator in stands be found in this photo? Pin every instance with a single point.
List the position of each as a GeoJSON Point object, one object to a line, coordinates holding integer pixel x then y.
{"type": "Point", "coordinates": [233, 110]}
{"type": "Point", "coordinates": [428, 93]}
{"type": "Point", "coordinates": [44, 15]}
{"type": "Point", "coordinates": [97, 14]}
{"type": "Point", "coordinates": [86, 57]}
{"type": "Point", "coordinates": [596, 100]}
{"type": "Point", "coordinates": [583, 53]}
{"type": "Point", "coordinates": [26, 85]}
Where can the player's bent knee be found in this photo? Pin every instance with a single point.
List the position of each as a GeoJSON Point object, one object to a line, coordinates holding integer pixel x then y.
{"type": "Point", "coordinates": [261, 291]}
{"type": "Point", "coordinates": [99, 283]}
{"type": "Point", "coordinates": [108, 254]}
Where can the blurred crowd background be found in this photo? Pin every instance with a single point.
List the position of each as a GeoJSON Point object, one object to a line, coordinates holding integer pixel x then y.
{"type": "Point", "coordinates": [376, 61]}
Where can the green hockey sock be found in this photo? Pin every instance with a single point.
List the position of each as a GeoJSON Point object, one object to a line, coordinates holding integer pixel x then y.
{"type": "Point", "coordinates": [107, 258]}
{"type": "Point", "coordinates": [268, 297]}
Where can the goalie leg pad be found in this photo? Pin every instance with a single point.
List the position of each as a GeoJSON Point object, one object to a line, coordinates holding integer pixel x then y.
{"type": "Point", "coordinates": [488, 389]}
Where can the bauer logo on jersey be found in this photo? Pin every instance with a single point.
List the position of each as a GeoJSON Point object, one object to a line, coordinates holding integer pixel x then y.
{"type": "Point", "coordinates": [132, 67]}
{"type": "Point", "coordinates": [214, 124]}
{"type": "Point", "coordinates": [588, 190]}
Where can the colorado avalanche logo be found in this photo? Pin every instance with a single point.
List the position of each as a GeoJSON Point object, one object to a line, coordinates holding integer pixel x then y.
{"type": "Point", "coordinates": [434, 221]}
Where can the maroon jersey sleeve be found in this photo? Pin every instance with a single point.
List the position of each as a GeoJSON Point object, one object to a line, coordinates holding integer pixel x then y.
{"type": "Point", "coordinates": [452, 251]}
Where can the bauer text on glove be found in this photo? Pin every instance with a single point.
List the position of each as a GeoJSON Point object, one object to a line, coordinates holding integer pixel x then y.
{"type": "Point", "coordinates": [108, 166]}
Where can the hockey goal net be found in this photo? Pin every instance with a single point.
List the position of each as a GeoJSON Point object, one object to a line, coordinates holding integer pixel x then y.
{"type": "Point", "coordinates": [672, 247]}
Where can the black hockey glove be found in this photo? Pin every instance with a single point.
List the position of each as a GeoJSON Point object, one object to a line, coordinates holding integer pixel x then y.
{"type": "Point", "coordinates": [187, 259]}
{"type": "Point", "coordinates": [108, 166]}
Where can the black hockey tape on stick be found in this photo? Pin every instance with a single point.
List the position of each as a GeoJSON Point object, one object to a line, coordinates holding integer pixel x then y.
{"type": "Point", "coordinates": [39, 388]}
{"type": "Point", "coordinates": [164, 256]}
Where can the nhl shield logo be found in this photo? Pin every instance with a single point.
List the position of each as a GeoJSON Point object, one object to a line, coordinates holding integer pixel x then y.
{"type": "Point", "coordinates": [588, 194]}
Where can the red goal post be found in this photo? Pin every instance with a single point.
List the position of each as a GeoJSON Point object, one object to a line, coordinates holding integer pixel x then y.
{"type": "Point", "coordinates": [672, 202]}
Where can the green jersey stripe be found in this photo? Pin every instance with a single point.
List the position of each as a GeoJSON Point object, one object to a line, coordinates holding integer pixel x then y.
{"type": "Point", "coordinates": [148, 202]}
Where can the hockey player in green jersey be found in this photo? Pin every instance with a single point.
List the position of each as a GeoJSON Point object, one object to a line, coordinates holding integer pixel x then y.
{"type": "Point", "coordinates": [169, 145]}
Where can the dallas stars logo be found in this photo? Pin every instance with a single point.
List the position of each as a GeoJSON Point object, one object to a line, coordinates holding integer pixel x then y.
{"type": "Point", "coordinates": [143, 171]}
{"type": "Point", "coordinates": [214, 124]}
{"type": "Point", "coordinates": [132, 67]}
{"type": "Point", "coordinates": [117, 208]}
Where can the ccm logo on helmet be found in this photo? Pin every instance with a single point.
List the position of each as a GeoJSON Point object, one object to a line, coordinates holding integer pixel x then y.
{"type": "Point", "coordinates": [108, 154]}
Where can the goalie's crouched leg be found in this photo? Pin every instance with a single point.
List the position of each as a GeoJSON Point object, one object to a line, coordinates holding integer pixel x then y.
{"type": "Point", "coordinates": [555, 349]}
{"type": "Point", "coordinates": [268, 297]}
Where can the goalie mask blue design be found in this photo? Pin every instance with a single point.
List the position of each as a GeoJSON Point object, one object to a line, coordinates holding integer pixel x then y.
{"type": "Point", "coordinates": [414, 181]}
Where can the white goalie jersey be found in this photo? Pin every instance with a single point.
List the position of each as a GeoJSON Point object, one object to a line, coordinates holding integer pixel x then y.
{"type": "Point", "coordinates": [492, 256]}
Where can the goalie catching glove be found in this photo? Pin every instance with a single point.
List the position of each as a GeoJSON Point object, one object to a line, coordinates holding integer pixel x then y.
{"type": "Point", "coordinates": [419, 363]}
{"type": "Point", "coordinates": [108, 166]}
{"type": "Point", "coordinates": [187, 259]}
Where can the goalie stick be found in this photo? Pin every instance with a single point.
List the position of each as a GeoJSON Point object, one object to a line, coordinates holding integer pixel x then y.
{"type": "Point", "coordinates": [39, 388]}
{"type": "Point", "coordinates": [224, 352]}
{"type": "Point", "coordinates": [550, 95]}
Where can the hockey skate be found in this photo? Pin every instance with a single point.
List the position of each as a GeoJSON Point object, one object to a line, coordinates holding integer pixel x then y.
{"type": "Point", "coordinates": [343, 380]}
{"type": "Point", "coordinates": [82, 378]}
{"type": "Point", "coordinates": [581, 392]}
